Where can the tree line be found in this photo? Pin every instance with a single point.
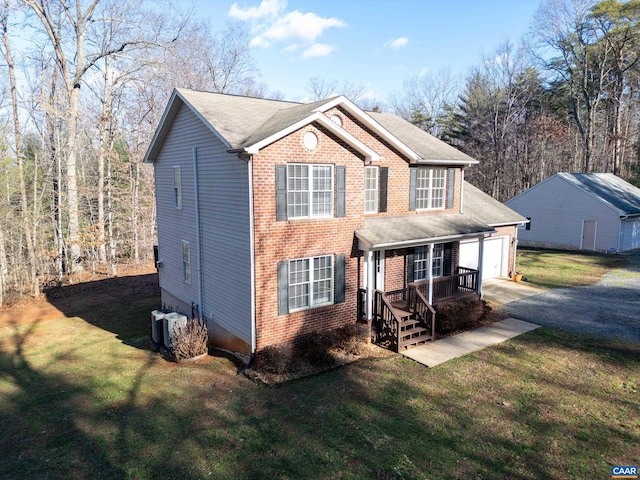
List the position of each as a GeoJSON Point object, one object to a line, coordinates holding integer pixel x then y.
{"type": "Point", "coordinates": [84, 84]}
{"type": "Point", "coordinates": [566, 99]}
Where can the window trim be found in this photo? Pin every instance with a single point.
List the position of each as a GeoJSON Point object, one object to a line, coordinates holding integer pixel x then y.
{"type": "Point", "coordinates": [428, 191]}
{"type": "Point", "coordinates": [177, 187]}
{"type": "Point", "coordinates": [310, 190]}
{"type": "Point", "coordinates": [375, 191]}
{"type": "Point", "coordinates": [311, 282]}
{"type": "Point", "coordinates": [186, 262]}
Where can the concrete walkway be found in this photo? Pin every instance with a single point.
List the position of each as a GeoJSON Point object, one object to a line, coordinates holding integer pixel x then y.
{"type": "Point", "coordinates": [440, 351]}
{"type": "Point", "coordinates": [497, 292]}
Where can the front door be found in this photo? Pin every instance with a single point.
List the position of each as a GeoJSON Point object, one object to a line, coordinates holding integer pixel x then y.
{"type": "Point", "coordinates": [589, 234]}
{"type": "Point", "coordinates": [378, 260]}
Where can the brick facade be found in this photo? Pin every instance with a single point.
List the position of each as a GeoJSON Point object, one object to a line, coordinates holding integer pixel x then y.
{"type": "Point", "coordinates": [279, 241]}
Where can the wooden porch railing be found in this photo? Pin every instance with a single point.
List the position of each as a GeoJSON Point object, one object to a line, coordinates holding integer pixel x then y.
{"type": "Point", "coordinates": [387, 319]}
{"type": "Point", "coordinates": [464, 282]}
{"type": "Point", "coordinates": [422, 310]}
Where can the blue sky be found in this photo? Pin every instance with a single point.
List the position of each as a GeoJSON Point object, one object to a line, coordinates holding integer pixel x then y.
{"type": "Point", "coordinates": [374, 43]}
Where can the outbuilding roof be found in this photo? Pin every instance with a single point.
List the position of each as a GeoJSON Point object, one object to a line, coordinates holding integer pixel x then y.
{"type": "Point", "coordinates": [609, 189]}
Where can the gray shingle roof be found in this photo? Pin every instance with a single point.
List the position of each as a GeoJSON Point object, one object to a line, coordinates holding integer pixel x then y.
{"type": "Point", "coordinates": [608, 188]}
{"type": "Point", "coordinates": [237, 118]}
{"type": "Point", "coordinates": [424, 144]}
{"type": "Point", "coordinates": [481, 213]}
{"type": "Point", "coordinates": [485, 207]}
{"type": "Point", "coordinates": [412, 230]}
{"type": "Point", "coordinates": [245, 121]}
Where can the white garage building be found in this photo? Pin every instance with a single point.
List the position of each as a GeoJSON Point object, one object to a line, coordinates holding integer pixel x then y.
{"type": "Point", "coordinates": [581, 211]}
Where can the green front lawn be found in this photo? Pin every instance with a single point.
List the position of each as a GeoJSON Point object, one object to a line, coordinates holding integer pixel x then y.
{"type": "Point", "coordinates": [78, 400]}
{"type": "Point", "coordinates": [558, 268]}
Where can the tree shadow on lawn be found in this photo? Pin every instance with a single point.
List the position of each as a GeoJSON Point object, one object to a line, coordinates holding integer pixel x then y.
{"type": "Point", "coordinates": [120, 305]}
{"type": "Point", "coordinates": [132, 415]}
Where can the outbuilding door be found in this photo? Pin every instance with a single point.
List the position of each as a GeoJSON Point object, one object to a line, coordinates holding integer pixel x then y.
{"type": "Point", "coordinates": [589, 234]}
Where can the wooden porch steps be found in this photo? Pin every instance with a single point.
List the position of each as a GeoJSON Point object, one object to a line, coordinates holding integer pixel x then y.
{"type": "Point", "coordinates": [412, 333]}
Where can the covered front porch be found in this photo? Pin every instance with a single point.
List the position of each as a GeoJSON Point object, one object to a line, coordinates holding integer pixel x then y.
{"type": "Point", "coordinates": [410, 266]}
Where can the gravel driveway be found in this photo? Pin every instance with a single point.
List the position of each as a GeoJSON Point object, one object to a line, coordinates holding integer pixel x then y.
{"type": "Point", "coordinates": [610, 309]}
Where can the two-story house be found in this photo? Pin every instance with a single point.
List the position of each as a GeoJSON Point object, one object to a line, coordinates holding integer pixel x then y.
{"type": "Point", "coordinates": [280, 219]}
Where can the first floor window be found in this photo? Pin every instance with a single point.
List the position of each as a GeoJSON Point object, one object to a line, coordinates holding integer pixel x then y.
{"type": "Point", "coordinates": [186, 262]}
{"type": "Point", "coordinates": [421, 262]}
{"type": "Point", "coordinates": [310, 282]}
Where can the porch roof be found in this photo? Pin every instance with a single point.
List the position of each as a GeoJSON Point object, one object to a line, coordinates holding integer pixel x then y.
{"type": "Point", "coordinates": [412, 230]}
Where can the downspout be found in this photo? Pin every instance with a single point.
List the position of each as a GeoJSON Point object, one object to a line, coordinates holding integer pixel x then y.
{"type": "Point", "coordinates": [196, 194]}
{"type": "Point", "coordinates": [462, 191]}
{"type": "Point", "coordinates": [515, 250]}
{"type": "Point", "coordinates": [252, 253]}
{"type": "Point", "coordinates": [430, 274]}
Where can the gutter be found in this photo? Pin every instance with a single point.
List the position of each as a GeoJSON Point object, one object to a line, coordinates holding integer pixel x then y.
{"type": "Point", "coordinates": [421, 241]}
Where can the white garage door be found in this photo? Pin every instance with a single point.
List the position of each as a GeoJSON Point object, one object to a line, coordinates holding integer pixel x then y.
{"type": "Point", "coordinates": [631, 232]}
{"type": "Point", "coordinates": [495, 256]}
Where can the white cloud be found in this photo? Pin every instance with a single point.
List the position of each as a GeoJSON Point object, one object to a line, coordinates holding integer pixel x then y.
{"type": "Point", "coordinates": [267, 8]}
{"type": "Point", "coordinates": [318, 50]}
{"type": "Point", "coordinates": [423, 72]}
{"type": "Point", "coordinates": [299, 31]}
{"type": "Point", "coordinates": [297, 26]}
{"type": "Point", "coordinates": [397, 43]}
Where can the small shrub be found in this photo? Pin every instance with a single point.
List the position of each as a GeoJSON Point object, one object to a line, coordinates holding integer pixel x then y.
{"type": "Point", "coordinates": [274, 359]}
{"type": "Point", "coordinates": [189, 339]}
{"type": "Point", "coordinates": [458, 315]}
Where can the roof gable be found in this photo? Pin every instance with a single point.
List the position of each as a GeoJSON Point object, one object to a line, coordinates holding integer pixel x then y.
{"type": "Point", "coordinates": [249, 124]}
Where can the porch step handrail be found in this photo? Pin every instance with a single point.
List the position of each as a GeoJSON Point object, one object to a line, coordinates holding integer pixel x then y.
{"type": "Point", "coordinates": [422, 309]}
{"type": "Point", "coordinates": [388, 318]}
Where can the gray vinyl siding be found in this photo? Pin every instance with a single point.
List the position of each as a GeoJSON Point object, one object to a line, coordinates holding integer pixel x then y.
{"type": "Point", "coordinates": [223, 188]}
{"type": "Point", "coordinates": [557, 210]}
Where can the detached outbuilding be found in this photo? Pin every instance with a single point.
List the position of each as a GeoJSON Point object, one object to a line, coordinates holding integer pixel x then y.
{"type": "Point", "coordinates": [580, 211]}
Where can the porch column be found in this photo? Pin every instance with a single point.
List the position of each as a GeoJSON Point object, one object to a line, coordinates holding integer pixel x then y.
{"type": "Point", "coordinates": [369, 281]}
{"type": "Point", "coordinates": [430, 274]}
{"type": "Point", "coordinates": [480, 263]}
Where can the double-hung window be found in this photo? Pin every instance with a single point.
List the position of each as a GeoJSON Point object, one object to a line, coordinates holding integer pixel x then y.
{"type": "Point", "coordinates": [310, 282]}
{"type": "Point", "coordinates": [370, 189]}
{"type": "Point", "coordinates": [421, 262]}
{"type": "Point", "coordinates": [177, 188]}
{"type": "Point", "coordinates": [430, 188]}
{"type": "Point", "coordinates": [309, 191]}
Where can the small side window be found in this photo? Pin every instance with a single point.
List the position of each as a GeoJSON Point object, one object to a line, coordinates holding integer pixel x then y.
{"type": "Point", "coordinates": [528, 225]}
{"type": "Point", "coordinates": [186, 262]}
{"type": "Point", "coordinates": [177, 187]}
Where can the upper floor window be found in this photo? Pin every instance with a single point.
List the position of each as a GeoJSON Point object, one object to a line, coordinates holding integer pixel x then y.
{"type": "Point", "coordinates": [421, 262]}
{"type": "Point", "coordinates": [430, 188]}
{"type": "Point", "coordinates": [370, 189]}
{"type": "Point", "coordinates": [177, 188]}
{"type": "Point", "coordinates": [309, 191]}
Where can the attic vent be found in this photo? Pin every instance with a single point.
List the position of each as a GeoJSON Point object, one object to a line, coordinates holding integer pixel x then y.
{"type": "Point", "coordinates": [310, 140]}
